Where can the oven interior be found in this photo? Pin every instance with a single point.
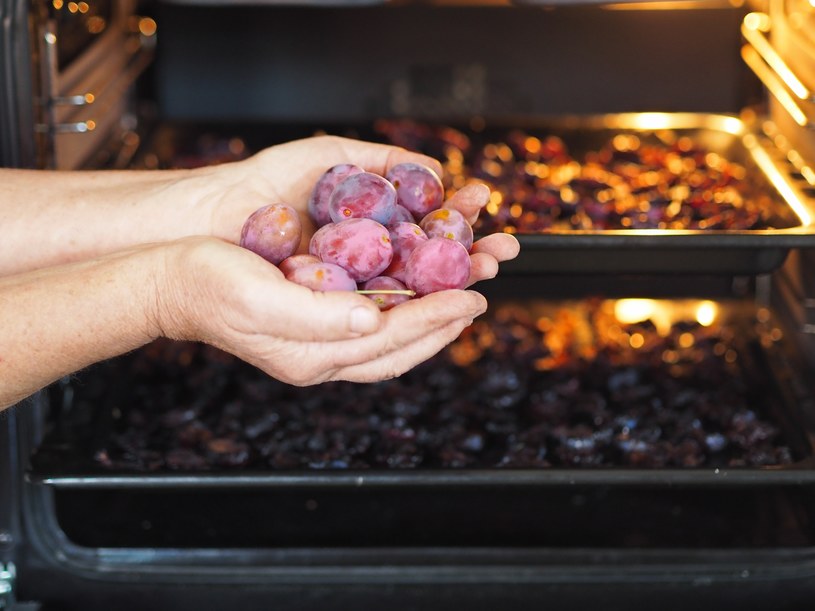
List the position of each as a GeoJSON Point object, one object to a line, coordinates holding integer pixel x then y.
{"type": "Point", "coordinates": [597, 428]}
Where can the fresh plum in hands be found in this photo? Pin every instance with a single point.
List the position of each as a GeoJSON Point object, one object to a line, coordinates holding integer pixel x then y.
{"type": "Point", "coordinates": [401, 215]}
{"type": "Point", "coordinates": [362, 247]}
{"type": "Point", "coordinates": [273, 232]}
{"type": "Point", "coordinates": [417, 187]}
{"type": "Point", "coordinates": [323, 277]}
{"type": "Point", "coordinates": [386, 301]}
{"type": "Point", "coordinates": [364, 195]}
{"type": "Point", "coordinates": [404, 238]}
{"type": "Point", "coordinates": [289, 264]}
{"type": "Point", "coordinates": [318, 201]}
{"type": "Point", "coordinates": [448, 223]}
{"type": "Point", "coordinates": [437, 265]}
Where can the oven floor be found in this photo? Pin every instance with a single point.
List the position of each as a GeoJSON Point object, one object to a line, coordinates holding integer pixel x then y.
{"type": "Point", "coordinates": [557, 517]}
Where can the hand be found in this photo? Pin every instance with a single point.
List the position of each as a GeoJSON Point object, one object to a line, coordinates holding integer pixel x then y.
{"type": "Point", "coordinates": [226, 296]}
{"type": "Point", "coordinates": [288, 172]}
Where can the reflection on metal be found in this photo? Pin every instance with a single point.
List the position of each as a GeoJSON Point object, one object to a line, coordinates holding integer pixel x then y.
{"type": "Point", "coordinates": [763, 160]}
{"type": "Point", "coordinates": [8, 575]}
{"type": "Point", "coordinates": [673, 5]}
{"type": "Point", "coordinates": [79, 127]}
{"type": "Point", "coordinates": [753, 28]}
{"type": "Point", "coordinates": [774, 85]}
{"type": "Point", "coordinates": [665, 120]}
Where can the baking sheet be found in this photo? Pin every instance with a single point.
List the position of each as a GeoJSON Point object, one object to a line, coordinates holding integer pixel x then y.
{"type": "Point", "coordinates": [741, 387]}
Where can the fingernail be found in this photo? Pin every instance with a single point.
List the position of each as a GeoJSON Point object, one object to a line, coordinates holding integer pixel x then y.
{"type": "Point", "coordinates": [364, 320]}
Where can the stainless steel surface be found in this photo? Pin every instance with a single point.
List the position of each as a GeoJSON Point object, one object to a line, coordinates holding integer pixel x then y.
{"type": "Point", "coordinates": [8, 576]}
{"type": "Point", "coordinates": [779, 79]}
{"type": "Point", "coordinates": [753, 28]}
{"type": "Point", "coordinates": [74, 126]}
{"type": "Point", "coordinates": [791, 35]}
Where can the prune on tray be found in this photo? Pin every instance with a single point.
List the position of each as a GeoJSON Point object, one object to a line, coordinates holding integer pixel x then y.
{"type": "Point", "coordinates": [570, 387]}
{"type": "Point", "coordinates": [632, 181]}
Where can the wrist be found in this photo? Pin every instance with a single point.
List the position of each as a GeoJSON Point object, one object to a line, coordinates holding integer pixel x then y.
{"type": "Point", "coordinates": [225, 196]}
{"type": "Point", "coordinates": [186, 287]}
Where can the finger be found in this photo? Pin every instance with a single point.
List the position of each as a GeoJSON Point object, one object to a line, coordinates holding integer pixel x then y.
{"type": "Point", "coordinates": [469, 200]}
{"type": "Point", "coordinates": [294, 312]}
{"type": "Point", "coordinates": [482, 267]}
{"type": "Point", "coordinates": [501, 246]}
{"type": "Point", "coordinates": [398, 362]}
{"type": "Point", "coordinates": [411, 321]}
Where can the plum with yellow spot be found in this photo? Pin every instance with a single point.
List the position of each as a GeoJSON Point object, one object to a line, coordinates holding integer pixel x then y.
{"type": "Point", "coordinates": [289, 264]}
{"type": "Point", "coordinates": [323, 277]}
{"type": "Point", "coordinates": [360, 246]}
{"type": "Point", "coordinates": [404, 238]}
{"type": "Point", "coordinates": [448, 223]}
{"type": "Point", "coordinates": [321, 194]}
{"type": "Point", "coordinates": [363, 196]}
{"type": "Point", "coordinates": [273, 232]}
{"type": "Point", "coordinates": [393, 292]}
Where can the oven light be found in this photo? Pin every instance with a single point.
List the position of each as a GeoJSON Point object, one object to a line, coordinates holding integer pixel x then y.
{"type": "Point", "coordinates": [706, 313]}
{"type": "Point", "coordinates": [630, 311]}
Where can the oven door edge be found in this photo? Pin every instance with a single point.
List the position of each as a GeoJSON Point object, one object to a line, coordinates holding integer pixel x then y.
{"type": "Point", "coordinates": [17, 148]}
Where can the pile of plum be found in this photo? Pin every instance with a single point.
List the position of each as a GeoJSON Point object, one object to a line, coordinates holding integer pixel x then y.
{"type": "Point", "coordinates": [387, 236]}
{"type": "Point", "coordinates": [631, 181]}
{"type": "Point", "coordinates": [516, 390]}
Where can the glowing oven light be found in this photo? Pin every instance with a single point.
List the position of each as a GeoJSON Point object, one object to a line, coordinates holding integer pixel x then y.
{"type": "Point", "coordinates": [630, 311]}
{"type": "Point", "coordinates": [706, 313]}
{"type": "Point", "coordinates": [664, 314]}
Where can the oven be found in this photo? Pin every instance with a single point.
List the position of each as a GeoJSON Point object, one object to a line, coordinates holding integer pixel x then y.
{"type": "Point", "coordinates": [631, 423]}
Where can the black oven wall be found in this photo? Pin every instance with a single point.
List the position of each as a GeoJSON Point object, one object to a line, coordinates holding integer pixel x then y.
{"type": "Point", "coordinates": [356, 64]}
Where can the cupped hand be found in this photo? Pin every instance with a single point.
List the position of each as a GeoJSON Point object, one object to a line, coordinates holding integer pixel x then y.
{"type": "Point", "coordinates": [288, 172]}
{"type": "Point", "coordinates": [229, 297]}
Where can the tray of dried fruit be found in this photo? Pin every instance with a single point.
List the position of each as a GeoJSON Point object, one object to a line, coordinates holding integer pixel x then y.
{"type": "Point", "coordinates": [633, 193]}
{"type": "Point", "coordinates": [627, 391]}
{"type": "Point", "coordinates": [628, 193]}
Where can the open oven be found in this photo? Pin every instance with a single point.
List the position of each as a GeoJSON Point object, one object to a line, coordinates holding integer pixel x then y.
{"type": "Point", "coordinates": [632, 422]}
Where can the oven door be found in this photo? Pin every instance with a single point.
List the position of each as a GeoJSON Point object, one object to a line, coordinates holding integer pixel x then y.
{"type": "Point", "coordinates": [16, 111]}
{"type": "Point", "coordinates": [84, 59]}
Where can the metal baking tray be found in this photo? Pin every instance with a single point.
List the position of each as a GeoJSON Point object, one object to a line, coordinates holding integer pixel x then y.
{"type": "Point", "coordinates": [790, 207]}
{"type": "Point", "coordinates": [789, 201]}
{"type": "Point", "coordinates": [89, 408]}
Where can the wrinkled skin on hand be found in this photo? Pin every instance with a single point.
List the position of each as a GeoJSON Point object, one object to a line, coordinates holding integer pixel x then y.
{"type": "Point", "coordinates": [226, 296]}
